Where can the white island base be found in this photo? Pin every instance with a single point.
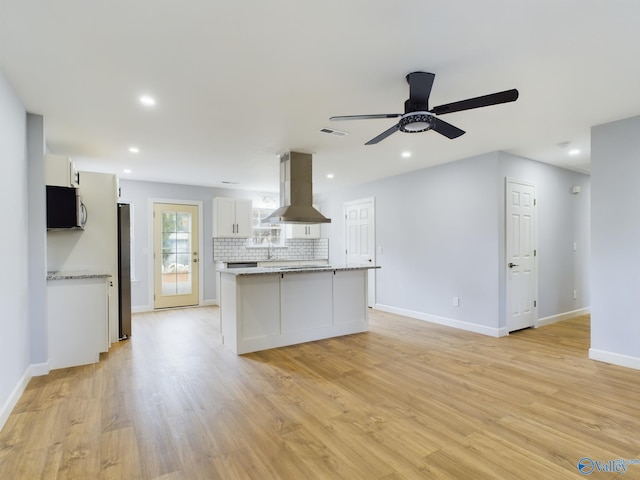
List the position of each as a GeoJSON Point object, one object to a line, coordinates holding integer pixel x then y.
{"type": "Point", "coordinates": [262, 308]}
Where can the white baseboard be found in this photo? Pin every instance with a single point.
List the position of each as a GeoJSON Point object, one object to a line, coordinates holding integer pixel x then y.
{"type": "Point", "coordinates": [15, 395]}
{"type": "Point", "coordinates": [449, 322]}
{"type": "Point", "coordinates": [34, 370]}
{"type": "Point", "coordinates": [149, 308]}
{"type": "Point", "coordinates": [614, 358]}
{"type": "Point", "coordinates": [39, 369]}
{"type": "Point", "coordinates": [562, 316]}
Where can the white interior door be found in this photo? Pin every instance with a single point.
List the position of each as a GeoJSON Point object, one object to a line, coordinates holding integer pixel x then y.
{"type": "Point", "coordinates": [520, 262]}
{"type": "Point", "coordinates": [359, 217]}
{"type": "Point", "coordinates": [176, 258]}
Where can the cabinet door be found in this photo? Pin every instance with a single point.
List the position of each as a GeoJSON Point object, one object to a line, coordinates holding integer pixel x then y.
{"type": "Point", "coordinates": [350, 297]}
{"type": "Point", "coordinates": [296, 230]}
{"type": "Point", "coordinates": [303, 231]}
{"type": "Point", "coordinates": [59, 171]}
{"type": "Point", "coordinates": [313, 231]}
{"type": "Point", "coordinates": [243, 218]}
{"type": "Point", "coordinates": [306, 301]}
{"type": "Point", "coordinates": [224, 217]}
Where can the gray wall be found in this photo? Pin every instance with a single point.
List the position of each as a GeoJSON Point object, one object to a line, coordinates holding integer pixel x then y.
{"type": "Point", "coordinates": [441, 231]}
{"type": "Point", "coordinates": [139, 195]}
{"type": "Point", "coordinates": [37, 241]}
{"type": "Point", "coordinates": [14, 281]}
{"type": "Point", "coordinates": [615, 161]}
{"type": "Point", "coordinates": [562, 219]}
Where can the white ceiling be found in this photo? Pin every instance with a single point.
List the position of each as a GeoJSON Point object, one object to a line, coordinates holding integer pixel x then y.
{"type": "Point", "coordinates": [238, 82]}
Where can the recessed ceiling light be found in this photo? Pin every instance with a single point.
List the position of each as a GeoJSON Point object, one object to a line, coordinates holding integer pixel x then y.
{"type": "Point", "coordinates": [147, 100]}
{"type": "Point", "coordinates": [134, 149]}
{"type": "Point", "coordinates": [330, 175]}
{"type": "Point", "coordinates": [406, 154]}
{"type": "Point", "coordinates": [574, 152]}
{"type": "Point", "coordinates": [126, 170]}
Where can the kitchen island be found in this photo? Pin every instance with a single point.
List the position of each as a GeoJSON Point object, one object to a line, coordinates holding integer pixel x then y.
{"type": "Point", "coordinates": [270, 307]}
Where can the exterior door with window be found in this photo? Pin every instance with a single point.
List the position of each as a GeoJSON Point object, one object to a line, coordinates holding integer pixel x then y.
{"type": "Point", "coordinates": [176, 259]}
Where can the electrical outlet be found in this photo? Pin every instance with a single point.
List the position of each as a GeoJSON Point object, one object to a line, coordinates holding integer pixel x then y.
{"type": "Point", "coordinates": [456, 302]}
{"type": "Point", "coordinates": [575, 294]}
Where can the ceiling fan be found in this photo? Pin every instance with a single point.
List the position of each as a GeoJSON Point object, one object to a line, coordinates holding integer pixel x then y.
{"type": "Point", "coordinates": [418, 118]}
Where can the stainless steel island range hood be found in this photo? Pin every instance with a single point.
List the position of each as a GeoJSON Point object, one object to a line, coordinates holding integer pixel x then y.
{"type": "Point", "coordinates": [296, 193]}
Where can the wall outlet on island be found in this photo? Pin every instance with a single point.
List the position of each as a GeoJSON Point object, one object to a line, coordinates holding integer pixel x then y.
{"type": "Point", "coordinates": [456, 301]}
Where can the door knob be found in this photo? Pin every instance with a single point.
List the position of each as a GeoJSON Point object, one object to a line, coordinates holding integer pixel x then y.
{"type": "Point", "coordinates": [511, 265]}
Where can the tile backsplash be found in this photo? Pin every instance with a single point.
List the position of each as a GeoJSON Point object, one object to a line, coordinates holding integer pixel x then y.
{"type": "Point", "coordinates": [241, 249]}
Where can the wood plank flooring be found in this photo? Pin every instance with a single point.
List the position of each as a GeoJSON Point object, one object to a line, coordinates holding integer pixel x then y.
{"type": "Point", "coordinates": [407, 400]}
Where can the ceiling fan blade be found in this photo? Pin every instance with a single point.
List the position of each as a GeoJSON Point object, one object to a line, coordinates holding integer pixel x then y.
{"type": "Point", "coordinates": [477, 102]}
{"type": "Point", "coordinates": [366, 117]}
{"type": "Point", "coordinates": [446, 129]}
{"type": "Point", "coordinates": [383, 135]}
{"type": "Point", "coordinates": [420, 84]}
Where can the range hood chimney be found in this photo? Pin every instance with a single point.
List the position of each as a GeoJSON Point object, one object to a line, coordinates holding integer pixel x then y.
{"type": "Point", "coordinates": [296, 195]}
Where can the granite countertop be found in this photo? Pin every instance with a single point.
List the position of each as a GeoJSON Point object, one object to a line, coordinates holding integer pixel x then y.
{"type": "Point", "coordinates": [276, 260]}
{"type": "Point", "coordinates": [293, 269]}
{"type": "Point", "coordinates": [77, 274]}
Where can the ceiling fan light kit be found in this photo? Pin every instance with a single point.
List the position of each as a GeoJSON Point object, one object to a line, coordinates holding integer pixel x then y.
{"type": "Point", "coordinates": [418, 117]}
{"type": "Point", "coordinates": [415, 122]}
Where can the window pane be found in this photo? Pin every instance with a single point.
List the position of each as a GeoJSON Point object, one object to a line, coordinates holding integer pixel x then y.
{"type": "Point", "coordinates": [168, 222]}
{"type": "Point", "coordinates": [264, 233]}
{"type": "Point", "coordinates": [183, 222]}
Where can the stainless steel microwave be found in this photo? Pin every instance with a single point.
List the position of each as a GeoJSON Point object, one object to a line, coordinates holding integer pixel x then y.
{"type": "Point", "coordinates": [65, 210]}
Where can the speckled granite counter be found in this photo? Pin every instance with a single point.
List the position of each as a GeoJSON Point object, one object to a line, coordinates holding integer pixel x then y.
{"type": "Point", "coordinates": [292, 269]}
{"type": "Point", "coordinates": [77, 274]}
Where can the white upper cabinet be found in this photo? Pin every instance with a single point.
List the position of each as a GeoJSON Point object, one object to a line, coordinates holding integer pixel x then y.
{"type": "Point", "coordinates": [60, 171]}
{"type": "Point", "coordinates": [299, 230]}
{"type": "Point", "coordinates": [231, 218]}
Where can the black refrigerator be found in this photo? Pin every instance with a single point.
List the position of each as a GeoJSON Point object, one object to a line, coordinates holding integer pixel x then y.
{"type": "Point", "coordinates": [124, 271]}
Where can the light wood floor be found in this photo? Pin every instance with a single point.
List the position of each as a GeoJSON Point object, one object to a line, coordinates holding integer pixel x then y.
{"type": "Point", "coordinates": [407, 400]}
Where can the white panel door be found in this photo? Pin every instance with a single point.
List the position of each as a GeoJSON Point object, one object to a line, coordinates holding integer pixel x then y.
{"type": "Point", "coordinates": [360, 245]}
{"type": "Point", "coordinates": [520, 261]}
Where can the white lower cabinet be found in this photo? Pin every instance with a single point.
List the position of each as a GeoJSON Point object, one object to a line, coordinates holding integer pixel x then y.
{"type": "Point", "coordinates": [265, 311]}
{"type": "Point", "coordinates": [78, 321]}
